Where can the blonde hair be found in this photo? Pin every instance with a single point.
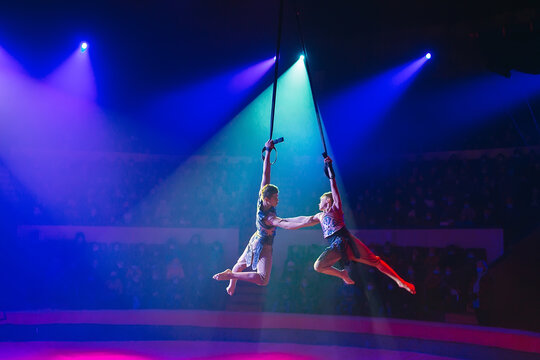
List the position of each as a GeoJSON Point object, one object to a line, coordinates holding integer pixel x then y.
{"type": "Point", "coordinates": [328, 195]}
{"type": "Point", "coordinates": [267, 191]}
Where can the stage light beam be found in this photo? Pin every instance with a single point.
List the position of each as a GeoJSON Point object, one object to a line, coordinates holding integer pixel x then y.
{"type": "Point", "coordinates": [75, 75]}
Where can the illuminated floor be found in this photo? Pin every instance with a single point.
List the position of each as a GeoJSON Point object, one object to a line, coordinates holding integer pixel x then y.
{"type": "Point", "coordinates": [184, 334]}
{"type": "Point", "coordinates": [164, 350]}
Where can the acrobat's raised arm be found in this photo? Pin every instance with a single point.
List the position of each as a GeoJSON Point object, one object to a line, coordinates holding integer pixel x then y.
{"type": "Point", "coordinates": [333, 184]}
{"type": "Point", "coordinates": [266, 164]}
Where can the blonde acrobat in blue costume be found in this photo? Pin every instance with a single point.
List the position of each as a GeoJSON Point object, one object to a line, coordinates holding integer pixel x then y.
{"type": "Point", "coordinates": [258, 252]}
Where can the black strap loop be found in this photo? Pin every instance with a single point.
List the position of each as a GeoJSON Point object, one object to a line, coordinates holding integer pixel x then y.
{"type": "Point", "coordinates": [262, 155]}
{"type": "Point", "coordinates": [275, 141]}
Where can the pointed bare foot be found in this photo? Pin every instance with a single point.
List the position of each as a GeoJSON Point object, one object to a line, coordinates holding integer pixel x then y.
{"type": "Point", "coordinates": [224, 275]}
{"type": "Point", "coordinates": [408, 286]}
{"type": "Point", "coordinates": [231, 288]}
{"type": "Point", "coordinates": [346, 278]}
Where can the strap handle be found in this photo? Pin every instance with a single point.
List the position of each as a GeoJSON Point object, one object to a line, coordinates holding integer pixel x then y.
{"type": "Point", "coordinates": [276, 141]}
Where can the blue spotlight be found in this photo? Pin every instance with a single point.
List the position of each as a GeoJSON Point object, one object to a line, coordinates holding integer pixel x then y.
{"type": "Point", "coordinates": [301, 57]}
{"type": "Point", "coordinates": [84, 46]}
{"type": "Point", "coordinates": [428, 56]}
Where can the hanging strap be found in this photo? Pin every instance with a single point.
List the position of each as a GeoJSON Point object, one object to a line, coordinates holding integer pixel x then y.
{"type": "Point", "coordinates": [276, 68]}
{"type": "Point", "coordinates": [328, 171]}
{"type": "Point", "coordinates": [306, 62]}
{"type": "Point", "coordinates": [276, 75]}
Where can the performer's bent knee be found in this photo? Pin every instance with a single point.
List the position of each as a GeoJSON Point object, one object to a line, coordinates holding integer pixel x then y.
{"type": "Point", "coordinates": [239, 267]}
{"type": "Point", "coordinates": [262, 280]}
{"type": "Point", "coordinates": [318, 266]}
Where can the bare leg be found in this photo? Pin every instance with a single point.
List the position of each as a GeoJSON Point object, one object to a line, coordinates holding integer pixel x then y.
{"type": "Point", "coordinates": [324, 265]}
{"type": "Point", "coordinates": [259, 277]}
{"type": "Point", "coordinates": [367, 257]}
{"type": "Point", "coordinates": [232, 283]}
{"type": "Point", "coordinates": [238, 267]}
{"type": "Point", "coordinates": [388, 271]}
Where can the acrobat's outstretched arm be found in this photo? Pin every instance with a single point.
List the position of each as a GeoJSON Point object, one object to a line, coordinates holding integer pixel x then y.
{"type": "Point", "coordinates": [292, 223]}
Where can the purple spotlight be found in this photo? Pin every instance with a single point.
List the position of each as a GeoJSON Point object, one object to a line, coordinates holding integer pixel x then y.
{"type": "Point", "coordinates": [75, 76]}
{"type": "Point", "coordinates": [428, 56]}
{"type": "Point", "coordinates": [248, 77]}
{"type": "Point", "coordinates": [84, 46]}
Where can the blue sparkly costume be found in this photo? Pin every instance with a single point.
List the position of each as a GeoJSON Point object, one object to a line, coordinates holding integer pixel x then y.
{"type": "Point", "coordinates": [263, 236]}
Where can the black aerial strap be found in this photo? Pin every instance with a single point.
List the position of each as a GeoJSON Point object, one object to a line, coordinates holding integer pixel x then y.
{"type": "Point", "coordinates": [306, 62]}
{"type": "Point", "coordinates": [276, 75]}
{"type": "Point", "coordinates": [276, 68]}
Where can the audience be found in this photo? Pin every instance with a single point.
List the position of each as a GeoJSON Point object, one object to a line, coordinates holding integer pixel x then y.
{"type": "Point", "coordinates": [500, 192]}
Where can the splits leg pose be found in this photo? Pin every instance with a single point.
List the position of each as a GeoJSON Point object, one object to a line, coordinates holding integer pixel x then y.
{"type": "Point", "coordinates": [343, 244]}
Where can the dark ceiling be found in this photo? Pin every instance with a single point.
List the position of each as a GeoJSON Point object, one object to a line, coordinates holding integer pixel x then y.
{"type": "Point", "coordinates": [145, 45]}
{"type": "Point", "coordinates": [140, 47]}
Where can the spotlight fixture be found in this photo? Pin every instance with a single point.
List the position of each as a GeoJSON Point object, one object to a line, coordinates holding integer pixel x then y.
{"type": "Point", "coordinates": [84, 46]}
{"type": "Point", "coordinates": [428, 56]}
{"type": "Point", "coordinates": [301, 57]}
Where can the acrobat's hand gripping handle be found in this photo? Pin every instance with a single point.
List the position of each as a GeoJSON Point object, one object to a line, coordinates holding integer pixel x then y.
{"type": "Point", "coordinates": [328, 169]}
{"type": "Point", "coordinates": [275, 141]}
